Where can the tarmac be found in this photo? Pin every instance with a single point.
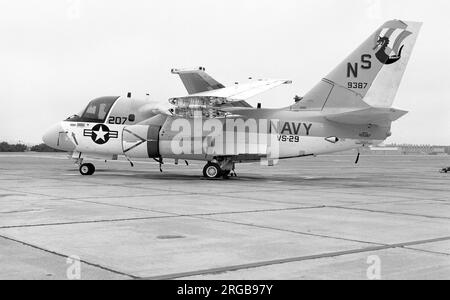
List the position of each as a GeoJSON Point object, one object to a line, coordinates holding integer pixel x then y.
{"type": "Point", "coordinates": [311, 218]}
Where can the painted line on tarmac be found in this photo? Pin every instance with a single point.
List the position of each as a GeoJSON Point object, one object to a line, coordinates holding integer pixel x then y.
{"type": "Point", "coordinates": [293, 231]}
{"type": "Point", "coordinates": [291, 260]}
{"type": "Point", "coordinates": [166, 216]}
{"type": "Point", "coordinates": [84, 222]}
{"type": "Point", "coordinates": [427, 251]}
{"type": "Point", "coordinates": [66, 256]}
{"type": "Point", "coordinates": [388, 212]}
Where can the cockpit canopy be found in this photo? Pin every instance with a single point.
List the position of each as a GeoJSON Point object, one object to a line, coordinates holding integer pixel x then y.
{"type": "Point", "coordinates": [96, 111]}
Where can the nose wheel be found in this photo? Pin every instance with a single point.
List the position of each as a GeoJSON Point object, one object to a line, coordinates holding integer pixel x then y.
{"type": "Point", "coordinates": [87, 169]}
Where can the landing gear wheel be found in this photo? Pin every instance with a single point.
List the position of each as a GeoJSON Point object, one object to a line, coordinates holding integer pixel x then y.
{"type": "Point", "coordinates": [87, 169]}
{"type": "Point", "coordinates": [212, 170]}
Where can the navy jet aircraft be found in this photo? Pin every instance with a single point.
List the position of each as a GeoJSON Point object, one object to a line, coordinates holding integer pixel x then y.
{"type": "Point", "coordinates": [348, 109]}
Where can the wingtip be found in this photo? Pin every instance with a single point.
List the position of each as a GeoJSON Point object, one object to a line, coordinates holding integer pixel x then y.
{"type": "Point", "coordinates": [179, 71]}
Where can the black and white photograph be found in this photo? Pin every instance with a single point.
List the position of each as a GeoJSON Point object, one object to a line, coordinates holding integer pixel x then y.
{"type": "Point", "coordinates": [224, 146]}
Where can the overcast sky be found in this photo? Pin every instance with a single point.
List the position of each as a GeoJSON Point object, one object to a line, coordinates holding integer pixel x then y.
{"type": "Point", "coordinates": [56, 55]}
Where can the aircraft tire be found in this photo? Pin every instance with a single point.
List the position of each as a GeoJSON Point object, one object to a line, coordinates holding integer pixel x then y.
{"type": "Point", "coordinates": [212, 170]}
{"type": "Point", "coordinates": [87, 169]}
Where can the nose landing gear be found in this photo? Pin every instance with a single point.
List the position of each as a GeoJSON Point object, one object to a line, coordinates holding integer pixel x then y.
{"type": "Point", "coordinates": [87, 169]}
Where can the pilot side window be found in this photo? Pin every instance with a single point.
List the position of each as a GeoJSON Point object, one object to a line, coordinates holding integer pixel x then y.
{"type": "Point", "coordinates": [91, 111]}
{"type": "Point", "coordinates": [103, 110]}
{"type": "Point", "coordinates": [98, 110]}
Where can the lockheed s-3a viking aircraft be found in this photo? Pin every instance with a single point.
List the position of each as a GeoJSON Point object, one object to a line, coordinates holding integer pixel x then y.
{"type": "Point", "coordinates": [348, 109]}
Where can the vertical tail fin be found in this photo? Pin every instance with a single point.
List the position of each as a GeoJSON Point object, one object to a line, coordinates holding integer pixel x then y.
{"type": "Point", "coordinates": [371, 74]}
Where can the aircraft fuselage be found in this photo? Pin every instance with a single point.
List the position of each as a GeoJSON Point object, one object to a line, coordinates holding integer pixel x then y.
{"type": "Point", "coordinates": [284, 135]}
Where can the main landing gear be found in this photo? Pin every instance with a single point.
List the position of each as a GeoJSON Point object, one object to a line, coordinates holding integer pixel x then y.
{"type": "Point", "coordinates": [216, 170]}
{"type": "Point", "coordinates": [87, 169]}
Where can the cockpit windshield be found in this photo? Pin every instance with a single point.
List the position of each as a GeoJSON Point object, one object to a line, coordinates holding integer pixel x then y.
{"type": "Point", "coordinates": [96, 111]}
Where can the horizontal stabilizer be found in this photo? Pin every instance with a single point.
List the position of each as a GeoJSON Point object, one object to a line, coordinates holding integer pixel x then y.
{"type": "Point", "coordinates": [372, 115]}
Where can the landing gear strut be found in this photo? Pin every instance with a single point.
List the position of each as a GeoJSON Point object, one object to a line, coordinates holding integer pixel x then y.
{"type": "Point", "coordinates": [87, 169]}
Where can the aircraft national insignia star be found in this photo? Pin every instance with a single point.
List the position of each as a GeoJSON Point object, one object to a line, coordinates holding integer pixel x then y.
{"type": "Point", "coordinates": [100, 134]}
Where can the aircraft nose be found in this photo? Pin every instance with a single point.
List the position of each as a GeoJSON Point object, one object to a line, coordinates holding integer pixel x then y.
{"type": "Point", "coordinates": [51, 136]}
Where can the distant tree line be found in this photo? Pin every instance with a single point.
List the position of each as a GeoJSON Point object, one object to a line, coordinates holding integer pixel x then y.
{"type": "Point", "coordinates": [43, 148]}
{"type": "Point", "coordinates": [6, 147]}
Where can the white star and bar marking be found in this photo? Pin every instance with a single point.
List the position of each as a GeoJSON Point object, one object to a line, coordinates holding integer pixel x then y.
{"type": "Point", "coordinates": [101, 134]}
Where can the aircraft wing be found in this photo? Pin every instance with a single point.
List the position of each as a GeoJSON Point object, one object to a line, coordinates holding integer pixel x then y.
{"type": "Point", "coordinates": [197, 80]}
{"type": "Point", "coordinates": [245, 91]}
{"type": "Point", "coordinates": [199, 84]}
